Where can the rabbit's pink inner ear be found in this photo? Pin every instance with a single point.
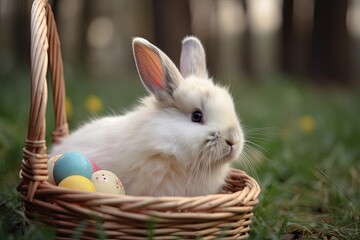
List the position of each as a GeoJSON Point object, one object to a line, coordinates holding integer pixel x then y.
{"type": "Point", "coordinates": [149, 66]}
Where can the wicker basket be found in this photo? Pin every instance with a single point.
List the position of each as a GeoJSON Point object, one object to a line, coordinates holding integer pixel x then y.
{"type": "Point", "coordinates": [87, 215]}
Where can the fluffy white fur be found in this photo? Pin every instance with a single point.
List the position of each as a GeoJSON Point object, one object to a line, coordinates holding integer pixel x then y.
{"type": "Point", "coordinates": [156, 149]}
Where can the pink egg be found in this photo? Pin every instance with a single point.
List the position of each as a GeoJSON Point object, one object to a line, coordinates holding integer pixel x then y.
{"type": "Point", "coordinates": [94, 165]}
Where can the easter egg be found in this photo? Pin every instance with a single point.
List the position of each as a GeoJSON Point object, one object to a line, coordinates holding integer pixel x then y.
{"type": "Point", "coordinates": [94, 165]}
{"type": "Point", "coordinates": [107, 182]}
{"type": "Point", "coordinates": [77, 182]}
{"type": "Point", "coordinates": [51, 164]}
{"type": "Point", "coordinates": [72, 163]}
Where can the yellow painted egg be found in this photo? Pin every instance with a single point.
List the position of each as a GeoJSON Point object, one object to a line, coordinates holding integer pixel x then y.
{"type": "Point", "coordinates": [107, 182]}
{"type": "Point", "coordinates": [51, 164]}
{"type": "Point", "coordinates": [77, 182]}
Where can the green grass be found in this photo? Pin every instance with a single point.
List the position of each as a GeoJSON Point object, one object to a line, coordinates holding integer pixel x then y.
{"type": "Point", "coordinates": [310, 179]}
{"type": "Point", "coordinates": [309, 172]}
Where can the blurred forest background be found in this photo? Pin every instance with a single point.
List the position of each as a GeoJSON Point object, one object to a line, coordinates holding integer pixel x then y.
{"type": "Point", "coordinates": [317, 40]}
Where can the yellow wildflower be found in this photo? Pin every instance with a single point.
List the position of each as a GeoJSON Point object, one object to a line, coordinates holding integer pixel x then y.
{"type": "Point", "coordinates": [93, 104]}
{"type": "Point", "coordinates": [307, 123]}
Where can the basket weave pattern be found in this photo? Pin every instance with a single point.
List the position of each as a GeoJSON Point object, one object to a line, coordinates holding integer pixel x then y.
{"type": "Point", "coordinates": [226, 215]}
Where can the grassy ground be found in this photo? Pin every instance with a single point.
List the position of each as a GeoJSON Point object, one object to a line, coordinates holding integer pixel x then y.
{"type": "Point", "coordinates": [304, 149]}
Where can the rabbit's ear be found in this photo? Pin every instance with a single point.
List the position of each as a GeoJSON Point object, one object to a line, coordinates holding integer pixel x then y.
{"type": "Point", "coordinates": [157, 72]}
{"type": "Point", "coordinates": [193, 60]}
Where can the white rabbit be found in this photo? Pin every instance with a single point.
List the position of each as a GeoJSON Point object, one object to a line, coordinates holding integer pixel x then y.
{"type": "Point", "coordinates": [179, 141]}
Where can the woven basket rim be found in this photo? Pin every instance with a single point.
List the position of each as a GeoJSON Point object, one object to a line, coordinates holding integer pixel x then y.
{"type": "Point", "coordinates": [254, 186]}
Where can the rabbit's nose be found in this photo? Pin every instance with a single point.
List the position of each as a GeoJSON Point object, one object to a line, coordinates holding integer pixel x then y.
{"type": "Point", "coordinates": [232, 138]}
{"type": "Point", "coordinates": [230, 142]}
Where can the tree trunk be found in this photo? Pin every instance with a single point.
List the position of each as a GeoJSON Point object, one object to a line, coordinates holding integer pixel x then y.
{"type": "Point", "coordinates": [287, 37]}
{"type": "Point", "coordinates": [331, 45]}
{"type": "Point", "coordinates": [21, 27]}
{"type": "Point", "coordinates": [247, 46]}
{"type": "Point", "coordinates": [171, 25]}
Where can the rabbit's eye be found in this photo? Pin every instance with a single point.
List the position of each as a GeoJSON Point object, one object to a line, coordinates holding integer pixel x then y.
{"type": "Point", "coordinates": [196, 116]}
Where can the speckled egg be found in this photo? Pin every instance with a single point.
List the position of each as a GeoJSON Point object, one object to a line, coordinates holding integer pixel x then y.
{"type": "Point", "coordinates": [72, 163]}
{"type": "Point", "coordinates": [107, 182]}
{"type": "Point", "coordinates": [77, 182]}
{"type": "Point", "coordinates": [51, 164]}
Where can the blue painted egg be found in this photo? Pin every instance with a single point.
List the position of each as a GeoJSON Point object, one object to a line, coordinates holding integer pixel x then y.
{"type": "Point", "coordinates": [72, 163]}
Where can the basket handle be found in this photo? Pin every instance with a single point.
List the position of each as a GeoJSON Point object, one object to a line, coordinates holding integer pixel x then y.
{"type": "Point", "coordinates": [45, 50]}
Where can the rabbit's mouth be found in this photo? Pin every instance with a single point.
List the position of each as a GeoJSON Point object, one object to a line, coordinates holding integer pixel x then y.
{"type": "Point", "coordinates": [229, 153]}
{"type": "Point", "coordinates": [223, 148]}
